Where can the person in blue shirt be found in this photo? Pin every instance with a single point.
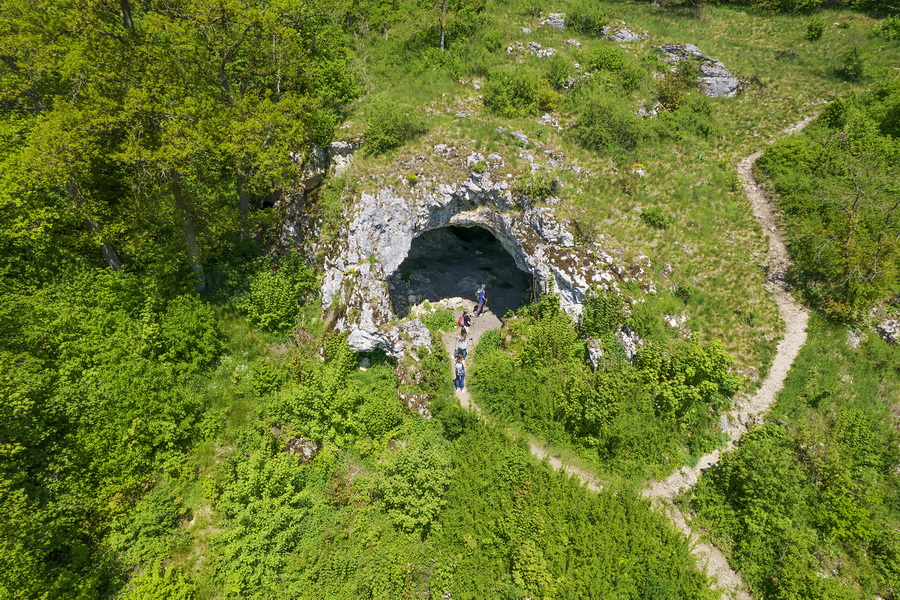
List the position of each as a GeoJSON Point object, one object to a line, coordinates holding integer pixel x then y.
{"type": "Point", "coordinates": [481, 296]}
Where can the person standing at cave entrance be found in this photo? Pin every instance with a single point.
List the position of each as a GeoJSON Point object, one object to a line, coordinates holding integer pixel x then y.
{"type": "Point", "coordinates": [462, 344]}
{"type": "Point", "coordinates": [481, 295]}
{"type": "Point", "coordinates": [460, 371]}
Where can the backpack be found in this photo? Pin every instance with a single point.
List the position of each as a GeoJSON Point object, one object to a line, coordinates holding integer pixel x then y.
{"type": "Point", "coordinates": [459, 321]}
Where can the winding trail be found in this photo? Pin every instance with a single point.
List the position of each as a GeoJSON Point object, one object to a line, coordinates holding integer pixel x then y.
{"type": "Point", "coordinates": [487, 322]}
{"type": "Point", "coordinates": [749, 408]}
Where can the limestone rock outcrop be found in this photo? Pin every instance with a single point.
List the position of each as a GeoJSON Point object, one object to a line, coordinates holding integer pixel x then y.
{"type": "Point", "coordinates": [381, 225]}
{"type": "Point", "coordinates": [715, 80]}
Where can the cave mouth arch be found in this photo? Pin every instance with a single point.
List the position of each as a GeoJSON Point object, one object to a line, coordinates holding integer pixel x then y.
{"type": "Point", "coordinates": [453, 261]}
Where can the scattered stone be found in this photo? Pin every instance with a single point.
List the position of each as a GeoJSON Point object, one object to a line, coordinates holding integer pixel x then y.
{"type": "Point", "coordinates": [595, 352]}
{"type": "Point", "coordinates": [621, 34]}
{"type": "Point", "coordinates": [573, 42]}
{"type": "Point", "coordinates": [525, 30]}
{"type": "Point", "coordinates": [365, 363]}
{"type": "Point", "coordinates": [555, 21]}
{"type": "Point", "coordinates": [474, 158]}
{"type": "Point", "coordinates": [540, 51]}
{"type": "Point", "coordinates": [724, 424]}
{"type": "Point", "coordinates": [341, 156]}
{"type": "Point", "coordinates": [630, 341]}
{"type": "Point", "coordinates": [445, 151]}
{"type": "Point", "coordinates": [889, 330]}
{"type": "Point", "coordinates": [515, 48]}
{"type": "Point", "coordinates": [417, 403]}
{"type": "Point", "coordinates": [551, 121]}
{"type": "Point", "coordinates": [853, 339]}
{"type": "Point", "coordinates": [674, 321]}
{"type": "Point", "coordinates": [715, 80]}
{"type": "Point", "coordinates": [462, 114]}
{"type": "Point", "coordinates": [651, 112]}
{"type": "Point", "coordinates": [304, 448]}
{"type": "Point", "coordinates": [521, 137]}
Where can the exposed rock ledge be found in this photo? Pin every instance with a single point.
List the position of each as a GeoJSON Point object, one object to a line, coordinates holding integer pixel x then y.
{"type": "Point", "coordinates": [380, 229]}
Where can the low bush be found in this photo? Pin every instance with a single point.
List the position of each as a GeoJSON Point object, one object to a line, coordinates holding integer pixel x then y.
{"type": "Point", "coordinates": [536, 185]}
{"type": "Point", "coordinates": [607, 126]}
{"type": "Point", "coordinates": [851, 64]}
{"type": "Point", "coordinates": [586, 17]}
{"type": "Point", "coordinates": [512, 92]}
{"type": "Point", "coordinates": [558, 71]}
{"type": "Point", "coordinates": [278, 291]}
{"type": "Point", "coordinates": [390, 126]}
{"type": "Point", "coordinates": [655, 218]}
{"type": "Point", "coordinates": [606, 58]}
{"type": "Point", "coordinates": [439, 320]}
{"type": "Point", "coordinates": [889, 28]}
{"type": "Point", "coordinates": [492, 40]}
{"type": "Point", "coordinates": [815, 29]}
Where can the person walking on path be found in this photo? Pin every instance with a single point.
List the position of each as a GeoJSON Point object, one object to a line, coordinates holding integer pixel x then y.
{"type": "Point", "coordinates": [462, 344]}
{"type": "Point", "coordinates": [465, 320]}
{"type": "Point", "coordinates": [481, 295]}
{"type": "Point", "coordinates": [460, 371]}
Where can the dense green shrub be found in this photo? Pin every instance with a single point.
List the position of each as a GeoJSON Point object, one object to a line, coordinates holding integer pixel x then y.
{"type": "Point", "coordinates": [603, 313]}
{"type": "Point", "coordinates": [278, 291]}
{"type": "Point", "coordinates": [535, 185]}
{"type": "Point", "coordinates": [415, 480]}
{"type": "Point", "coordinates": [628, 415]}
{"type": "Point", "coordinates": [439, 320]}
{"type": "Point", "coordinates": [586, 17]}
{"type": "Point", "coordinates": [851, 64]}
{"type": "Point", "coordinates": [889, 28]}
{"type": "Point", "coordinates": [607, 126]}
{"type": "Point", "coordinates": [655, 218]}
{"type": "Point", "coordinates": [845, 251]}
{"type": "Point", "coordinates": [189, 334]}
{"type": "Point", "coordinates": [512, 92]}
{"type": "Point", "coordinates": [558, 71]}
{"type": "Point", "coordinates": [606, 57]}
{"type": "Point", "coordinates": [815, 29]}
{"type": "Point", "coordinates": [391, 125]}
{"type": "Point", "coordinates": [156, 581]}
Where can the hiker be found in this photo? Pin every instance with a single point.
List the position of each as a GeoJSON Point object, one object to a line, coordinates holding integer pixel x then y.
{"type": "Point", "coordinates": [462, 344]}
{"type": "Point", "coordinates": [481, 295]}
{"type": "Point", "coordinates": [460, 370]}
{"type": "Point", "coordinates": [464, 320]}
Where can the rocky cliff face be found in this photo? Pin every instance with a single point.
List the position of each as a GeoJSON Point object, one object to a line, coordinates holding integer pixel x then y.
{"type": "Point", "coordinates": [381, 226]}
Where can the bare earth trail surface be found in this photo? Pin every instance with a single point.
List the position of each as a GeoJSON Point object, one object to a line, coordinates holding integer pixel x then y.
{"type": "Point", "coordinates": [749, 409]}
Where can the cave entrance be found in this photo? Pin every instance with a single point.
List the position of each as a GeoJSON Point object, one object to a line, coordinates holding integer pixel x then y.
{"type": "Point", "coordinates": [453, 262]}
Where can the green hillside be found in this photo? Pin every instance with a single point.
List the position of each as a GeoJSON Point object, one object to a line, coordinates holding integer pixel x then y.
{"type": "Point", "coordinates": [182, 417]}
